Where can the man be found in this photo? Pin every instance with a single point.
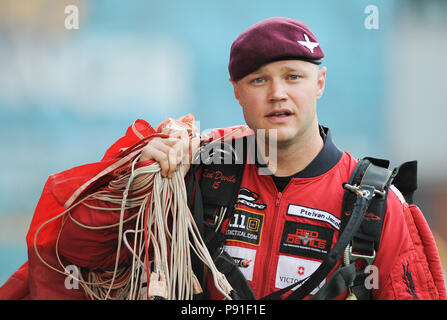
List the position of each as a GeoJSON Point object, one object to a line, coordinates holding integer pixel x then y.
{"type": "Point", "coordinates": [277, 81]}
{"type": "Point", "coordinates": [283, 224]}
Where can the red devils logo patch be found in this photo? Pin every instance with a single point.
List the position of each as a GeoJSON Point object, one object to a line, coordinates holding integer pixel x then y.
{"type": "Point", "coordinates": [306, 240]}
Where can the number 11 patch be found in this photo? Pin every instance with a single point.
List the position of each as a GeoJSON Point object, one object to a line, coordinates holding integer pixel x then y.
{"type": "Point", "coordinates": [245, 226]}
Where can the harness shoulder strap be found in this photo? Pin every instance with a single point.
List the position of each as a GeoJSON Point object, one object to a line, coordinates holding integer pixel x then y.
{"type": "Point", "coordinates": [221, 170]}
{"type": "Point", "coordinates": [366, 240]}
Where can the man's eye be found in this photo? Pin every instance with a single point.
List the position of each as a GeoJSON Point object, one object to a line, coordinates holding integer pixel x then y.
{"type": "Point", "coordinates": [294, 77]}
{"type": "Point", "coordinates": [258, 80]}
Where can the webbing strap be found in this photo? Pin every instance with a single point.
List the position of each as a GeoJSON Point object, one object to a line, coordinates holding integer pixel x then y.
{"type": "Point", "coordinates": [193, 190]}
{"type": "Point", "coordinates": [225, 264]}
{"type": "Point", "coordinates": [210, 193]}
{"type": "Point", "coordinates": [337, 284]}
{"type": "Point", "coordinates": [373, 172]}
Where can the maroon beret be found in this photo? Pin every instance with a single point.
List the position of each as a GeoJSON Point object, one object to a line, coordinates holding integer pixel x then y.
{"type": "Point", "coordinates": [270, 40]}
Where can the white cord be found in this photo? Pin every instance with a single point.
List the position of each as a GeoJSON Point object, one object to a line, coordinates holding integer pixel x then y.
{"type": "Point", "coordinates": [170, 234]}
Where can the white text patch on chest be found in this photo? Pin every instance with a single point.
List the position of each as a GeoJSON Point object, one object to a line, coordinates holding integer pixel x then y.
{"type": "Point", "coordinates": [313, 214]}
{"type": "Point", "coordinates": [292, 270]}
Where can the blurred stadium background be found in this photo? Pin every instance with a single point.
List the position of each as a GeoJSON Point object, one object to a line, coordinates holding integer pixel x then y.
{"type": "Point", "coordinates": [66, 95]}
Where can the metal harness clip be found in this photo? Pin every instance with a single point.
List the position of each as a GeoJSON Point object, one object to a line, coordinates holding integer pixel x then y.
{"type": "Point", "coordinates": [362, 193]}
{"type": "Point", "coordinates": [368, 259]}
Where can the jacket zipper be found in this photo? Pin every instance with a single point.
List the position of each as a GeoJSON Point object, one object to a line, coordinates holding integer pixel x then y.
{"type": "Point", "coordinates": [278, 200]}
{"type": "Point", "coordinates": [266, 279]}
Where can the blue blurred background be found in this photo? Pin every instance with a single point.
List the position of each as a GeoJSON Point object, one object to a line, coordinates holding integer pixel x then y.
{"type": "Point", "coordinates": [66, 95]}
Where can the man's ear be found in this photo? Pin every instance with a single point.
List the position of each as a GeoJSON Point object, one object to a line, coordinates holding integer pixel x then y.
{"type": "Point", "coordinates": [321, 81]}
{"type": "Point", "coordinates": [236, 90]}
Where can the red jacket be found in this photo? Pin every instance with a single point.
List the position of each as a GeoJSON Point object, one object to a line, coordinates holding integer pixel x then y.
{"type": "Point", "coordinates": [276, 237]}
{"type": "Point", "coordinates": [279, 238]}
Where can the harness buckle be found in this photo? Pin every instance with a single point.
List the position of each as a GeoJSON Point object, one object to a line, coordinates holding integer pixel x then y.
{"type": "Point", "coordinates": [355, 256]}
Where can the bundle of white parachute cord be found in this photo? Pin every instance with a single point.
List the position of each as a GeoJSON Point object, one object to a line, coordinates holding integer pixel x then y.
{"type": "Point", "coordinates": [164, 226]}
{"type": "Point", "coordinates": [165, 199]}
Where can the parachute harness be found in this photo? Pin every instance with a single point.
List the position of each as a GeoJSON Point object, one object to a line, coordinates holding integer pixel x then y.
{"type": "Point", "coordinates": [164, 225]}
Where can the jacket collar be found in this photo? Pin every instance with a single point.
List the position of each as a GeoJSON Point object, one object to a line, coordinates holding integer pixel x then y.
{"type": "Point", "coordinates": [325, 160]}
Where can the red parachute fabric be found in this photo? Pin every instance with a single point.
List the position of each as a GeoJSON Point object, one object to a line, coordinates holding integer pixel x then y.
{"type": "Point", "coordinates": [427, 251]}
{"type": "Point", "coordinates": [16, 287]}
{"type": "Point", "coordinates": [34, 280]}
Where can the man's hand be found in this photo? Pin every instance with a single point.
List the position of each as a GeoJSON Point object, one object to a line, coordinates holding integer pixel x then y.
{"type": "Point", "coordinates": [172, 152]}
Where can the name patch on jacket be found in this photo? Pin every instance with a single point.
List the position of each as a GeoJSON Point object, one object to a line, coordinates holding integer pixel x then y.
{"type": "Point", "coordinates": [245, 226]}
{"type": "Point", "coordinates": [306, 240]}
{"type": "Point", "coordinates": [313, 214]}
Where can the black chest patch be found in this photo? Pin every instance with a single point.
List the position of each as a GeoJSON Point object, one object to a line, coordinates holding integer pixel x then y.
{"type": "Point", "coordinates": [306, 240]}
{"type": "Point", "coordinates": [245, 226]}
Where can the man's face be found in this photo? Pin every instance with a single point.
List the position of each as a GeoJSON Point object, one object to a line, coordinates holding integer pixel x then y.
{"type": "Point", "coordinates": [282, 95]}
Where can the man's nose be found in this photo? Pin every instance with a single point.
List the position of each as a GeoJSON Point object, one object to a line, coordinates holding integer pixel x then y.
{"type": "Point", "coordinates": [278, 91]}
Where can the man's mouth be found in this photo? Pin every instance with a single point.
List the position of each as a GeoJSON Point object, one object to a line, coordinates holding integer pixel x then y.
{"type": "Point", "coordinates": [279, 114]}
